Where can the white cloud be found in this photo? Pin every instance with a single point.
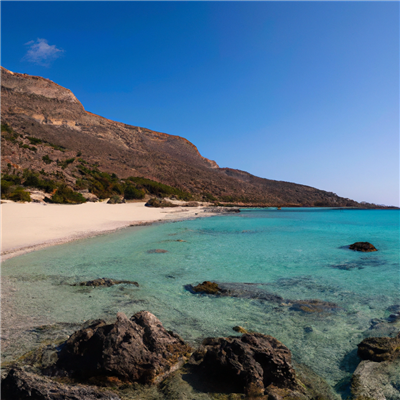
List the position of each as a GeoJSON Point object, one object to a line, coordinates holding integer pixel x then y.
{"type": "Point", "coordinates": [41, 53]}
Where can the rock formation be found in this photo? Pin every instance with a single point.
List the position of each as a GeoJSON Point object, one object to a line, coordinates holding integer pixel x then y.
{"type": "Point", "coordinates": [138, 349]}
{"type": "Point", "coordinates": [362, 246]}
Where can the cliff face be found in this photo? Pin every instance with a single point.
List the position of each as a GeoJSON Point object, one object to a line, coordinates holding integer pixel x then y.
{"type": "Point", "coordinates": [37, 107]}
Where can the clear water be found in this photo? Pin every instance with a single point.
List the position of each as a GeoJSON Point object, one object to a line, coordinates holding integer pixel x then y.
{"type": "Point", "coordinates": [294, 253]}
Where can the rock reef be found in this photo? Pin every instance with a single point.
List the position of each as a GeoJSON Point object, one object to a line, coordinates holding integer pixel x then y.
{"type": "Point", "coordinates": [365, 247]}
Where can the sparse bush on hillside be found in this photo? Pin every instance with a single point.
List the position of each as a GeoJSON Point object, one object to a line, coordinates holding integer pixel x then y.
{"type": "Point", "coordinates": [47, 159]}
{"type": "Point", "coordinates": [34, 140]}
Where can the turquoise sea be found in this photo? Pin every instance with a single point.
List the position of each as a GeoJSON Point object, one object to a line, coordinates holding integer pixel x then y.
{"type": "Point", "coordinates": [298, 254]}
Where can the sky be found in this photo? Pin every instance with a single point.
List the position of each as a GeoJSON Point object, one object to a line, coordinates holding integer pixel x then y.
{"type": "Point", "coordinates": [305, 92]}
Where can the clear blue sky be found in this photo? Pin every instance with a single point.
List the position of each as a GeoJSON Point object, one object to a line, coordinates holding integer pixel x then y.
{"type": "Point", "coordinates": [306, 92]}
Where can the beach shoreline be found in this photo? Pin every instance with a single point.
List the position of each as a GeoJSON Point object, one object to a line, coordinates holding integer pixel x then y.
{"type": "Point", "coordinates": [28, 227]}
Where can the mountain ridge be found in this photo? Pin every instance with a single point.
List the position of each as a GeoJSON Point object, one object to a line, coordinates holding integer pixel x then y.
{"type": "Point", "coordinates": [38, 107]}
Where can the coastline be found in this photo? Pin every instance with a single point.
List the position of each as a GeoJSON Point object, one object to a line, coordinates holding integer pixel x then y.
{"type": "Point", "coordinates": [33, 226]}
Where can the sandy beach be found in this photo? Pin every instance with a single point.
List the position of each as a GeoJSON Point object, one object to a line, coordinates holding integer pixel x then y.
{"type": "Point", "coordinates": [30, 226]}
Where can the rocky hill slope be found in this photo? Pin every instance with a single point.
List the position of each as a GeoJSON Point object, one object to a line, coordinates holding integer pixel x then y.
{"type": "Point", "coordinates": [37, 110]}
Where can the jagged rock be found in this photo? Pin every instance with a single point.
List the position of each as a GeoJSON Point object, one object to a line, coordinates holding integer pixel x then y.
{"type": "Point", "coordinates": [105, 282]}
{"type": "Point", "coordinates": [154, 202]}
{"type": "Point", "coordinates": [138, 349]}
{"type": "Point", "coordinates": [23, 385]}
{"type": "Point", "coordinates": [376, 380]}
{"type": "Point", "coordinates": [157, 251]}
{"type": "Point", "coordinates": [116, 200]}
{"type": "Point", "coordinates": [379, 348]}
{"type": "Point", "coordinates": [362, 246]}
{"type": "Point", "coordinates": [88, 196]}
{"type": "Point", "coordinates": [252, 361]}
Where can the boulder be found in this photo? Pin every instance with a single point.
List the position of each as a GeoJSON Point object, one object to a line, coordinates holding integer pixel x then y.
{"type": "Point", "coordinates": [379, 349]}
{"type": "Point", "coordinates": [88, 196]}
{"type": "Point", "coordinates": [116, 200]}
{"type": "Point", "coordinates": [23, 385]}
{"type": "Point", "coordinates": [138, 349]}
{"type": "Point", "coordinates": [105, 282]}
{"type": "Point", "coordinates": [362, 246]}
{"type": "Point", "coordinates": [314, 306]}
{"type": "Point", "coordinates": [252, 362]}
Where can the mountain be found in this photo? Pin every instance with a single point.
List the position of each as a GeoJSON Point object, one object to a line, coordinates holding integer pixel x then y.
{"type": "Point", "coordinates": [51, 124]}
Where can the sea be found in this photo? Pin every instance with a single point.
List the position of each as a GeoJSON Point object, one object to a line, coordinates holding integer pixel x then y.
{"type": "Point", "coordinates": [298, 254]}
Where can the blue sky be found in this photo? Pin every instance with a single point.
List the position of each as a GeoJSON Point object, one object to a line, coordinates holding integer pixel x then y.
{"type": "Point", "coordinates": [306, 92]}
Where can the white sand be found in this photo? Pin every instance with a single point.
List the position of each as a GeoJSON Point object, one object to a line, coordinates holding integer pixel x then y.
{"type": "Point", "coordinates": [29, 226]}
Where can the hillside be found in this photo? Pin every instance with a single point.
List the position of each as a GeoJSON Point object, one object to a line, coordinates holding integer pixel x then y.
{"type": "Point", "coordinates": [44, 121]}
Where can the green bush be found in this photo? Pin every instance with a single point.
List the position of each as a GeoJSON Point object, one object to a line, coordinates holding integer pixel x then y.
{"type": "Point", "coordinates": [19, 194]}
{"type": "Point", "coordinates": [6, 128]}
{"type": "Point", "coordinates": [65, 195]}
{"type": "Point", "coordinates": [5, 188]}
{"type": "Point", "coordinates": [34, 140]}
{"type": "Point", "coordinates": [131, 193]}
{"type": "Point", "coordinates": [15, 179]}
{"type": "Point", "coordinates": [47, 159]}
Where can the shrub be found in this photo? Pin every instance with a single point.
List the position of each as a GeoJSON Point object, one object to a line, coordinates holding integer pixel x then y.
{"type": "Point", "coordinates": [65, 195]}
{"type": "Point", "coordinates": [34, 140]}
{"type": "Point", "coordinates": [47, 159]}
{"type": "Point", "coordinates": [5, 188]}
{"type": "Point", "coordinates": [131, 192]}
{"type": "Point", "coordinates": [19, 194]}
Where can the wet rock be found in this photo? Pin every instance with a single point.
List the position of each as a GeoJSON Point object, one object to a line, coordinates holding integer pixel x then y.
{"type": "Point", "coordinates": [23, 385]}
{"type": "Point", "coordinates": [157, 251]}
{"type": "Point", "coordinates": [138, 349]}
{"type": "Point", "coordinates": [208, 287]}
{"type": "Point", "coordinates": [379, 349]}
{"type": "Point", "coordinates": [362, 246]}
{"type": "Point", "coordinates": [314, 306]}
{"type": "Point", "coordinates": [378, 381]}
{"type": "Point", "coordinates": [240, 329]}
{"type": "Point", "coordinates": [308, 329]}
{"type": "Point", "coordinates": [252, 361]}
{"type": "Point", "coordinates": [105, 282]}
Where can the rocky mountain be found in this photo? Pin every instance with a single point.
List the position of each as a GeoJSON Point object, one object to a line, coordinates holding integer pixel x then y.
{"type": "Point", "coordinates": [39, 111]}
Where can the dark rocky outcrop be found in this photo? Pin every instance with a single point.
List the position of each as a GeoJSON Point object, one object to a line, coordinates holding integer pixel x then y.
{"type": "Point", "coordinates": [379, 349]}
{"type": "Point", "coordinates": [154, 202]}
{"type": "Point", "coordinates": [105, 282]}
{"type": "Point", "coordinates": [23, 385]}
{"type": "Point", "coordinates": [253, 362]}
{"type": "Point", "coordinates": [138, 349]}
{"type": "Point", "coordinates": [362, 246]}
{"type": "Point", "coordinates": [116, 200]}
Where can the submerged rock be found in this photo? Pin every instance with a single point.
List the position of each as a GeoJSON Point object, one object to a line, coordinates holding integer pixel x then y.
{"type": "Point", "coordinates": [252, 362]}
{"type": "Point", "coordinates": [23, 385]}
{"type": "Point", "coordinates": [138, 349]}
{"type": "Point", "coordinates": [362, 246]}
{"type": "Point", "coordinates": [379, 349]}
{"type": "Point", "coordinates": [105, 282]}
{"type": "Point", "coordinates": [157, 251]}
{"type": "Point", "coordinates": [208, 287]}
{"type": "Point", "coordinates": [378, 381]}
{"type": "Point", "coordinates": [240, 329]}
{"type": "Point", "coordinates": [314, 306]}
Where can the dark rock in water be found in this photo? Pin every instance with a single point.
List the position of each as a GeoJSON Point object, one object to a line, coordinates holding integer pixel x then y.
{"type": "Point", "coordinates": [362, 246]}
{"type": "Point", "coordinates": [208, 287]}
{"type": "Point", "coordinates": [138, 349]}
{"type": "Point", "coordinates": [347, 266]}
{"type": "Point", "coordinates": [314, 306]}
{"type": "Point", "coordinates": [252, 361]}
{"type": "Point", "coordinates": [240, 329]}
{"type": "Point", "coordinates": [394, 317]}
{"type": "Point", "coordinates": [308, 329]}
{"type": "Point", "coordinates": [105, 282]}
{"type": "Point", "coordinates": [379, 349]}
{"type": "Point", "coordinates": [23, 385]}
{"type": "Point", "coordinates": [157, 251]}
{"type": "Point", "coordinates": [395, 308]}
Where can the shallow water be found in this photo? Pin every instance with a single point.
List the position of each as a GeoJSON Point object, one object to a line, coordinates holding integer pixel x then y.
{"type": "Point", "coordinates": [298, 254]}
